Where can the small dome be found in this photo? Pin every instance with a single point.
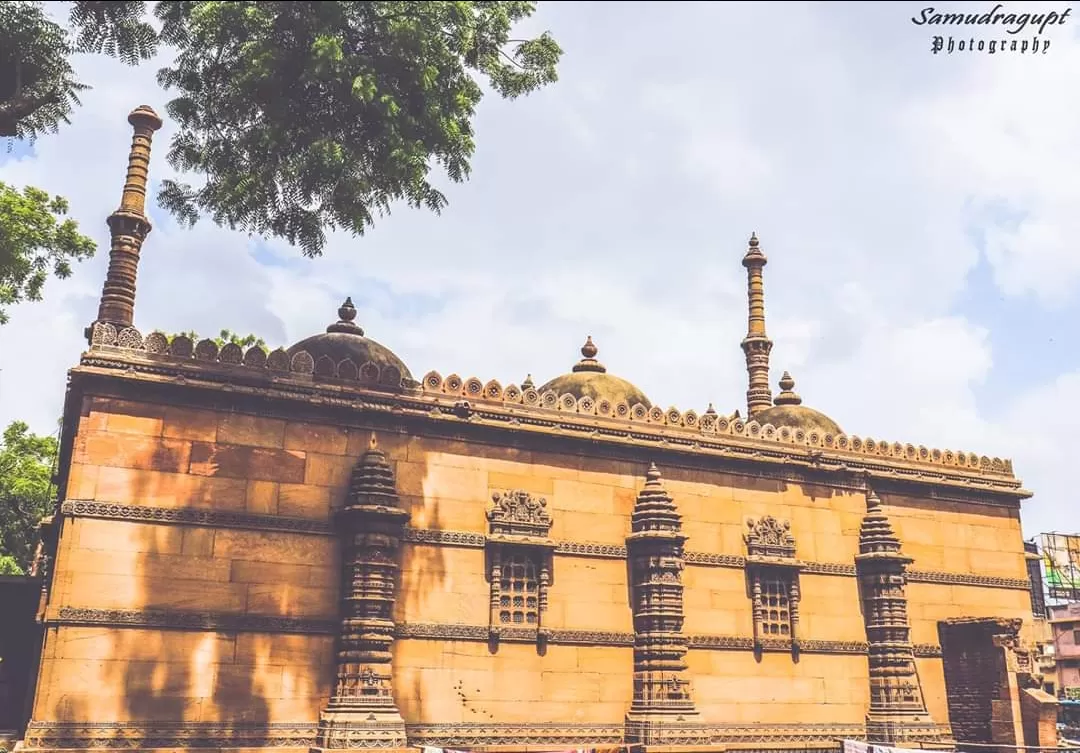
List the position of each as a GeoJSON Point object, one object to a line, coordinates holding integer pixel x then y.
{"type": "Point", "coordinates": [589, 378]}
{"type": "Point", "coordinates": [789, 411]}
{"type": "Point", "coordinates": [345, 339]}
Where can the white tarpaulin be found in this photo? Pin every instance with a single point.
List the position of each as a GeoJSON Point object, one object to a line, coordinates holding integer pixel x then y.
{"type": "Point", "coordinates": [429, 749]}
{"type": "Point", "coordinates": [858, 746]}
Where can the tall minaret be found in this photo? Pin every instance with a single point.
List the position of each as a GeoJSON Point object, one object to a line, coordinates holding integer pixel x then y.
{"type": "Point", "coordinates": [128, 227]}
{"type": "Point", "coordinates": [756, 345]}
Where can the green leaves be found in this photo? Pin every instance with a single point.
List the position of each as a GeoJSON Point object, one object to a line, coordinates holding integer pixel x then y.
{"type": "Point", "coordinates": [36, 238]}
{"type": "Point", "coordinates": [116, 29]}
{"type": "Point", "coordinates": [225, 337]}
{"type": "Point", "coordinates": [264, 88]}
{"type": "Point", "coordinates": [26, 492]}
{"type": "Point", "coordinates": [302, 117]}
{"type": "Point", "coordinates": [38, 89]}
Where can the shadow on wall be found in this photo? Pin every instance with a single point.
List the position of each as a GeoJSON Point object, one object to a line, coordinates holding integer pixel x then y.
{"type": "Point", "coordinates": [151, 679]}
{"type": "Point", "coordinates": [182, 675]}
{"type": "Point", "coordinates": [423, 568]}
{"type": "Point", "coordinates": [20, 639]}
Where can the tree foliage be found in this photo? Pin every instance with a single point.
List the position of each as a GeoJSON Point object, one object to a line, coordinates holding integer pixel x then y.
{"type": "Point", "coordinates": [225, 337]}
{"type": "Point", "coordinates": [36, 238]}
{"type": "Point", "coordinates": [26, 493]}
{"type": "Point", "coordinates": [38, 87]}
{"type": "Point", "coordinates": [301, 117]}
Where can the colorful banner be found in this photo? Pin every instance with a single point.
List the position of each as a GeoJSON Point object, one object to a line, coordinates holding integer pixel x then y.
{"type": "Point", "coordinates": [1061, 561]}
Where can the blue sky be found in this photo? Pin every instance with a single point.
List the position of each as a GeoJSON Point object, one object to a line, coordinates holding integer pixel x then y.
{"type": "Point", "coordinates": [918, 213]}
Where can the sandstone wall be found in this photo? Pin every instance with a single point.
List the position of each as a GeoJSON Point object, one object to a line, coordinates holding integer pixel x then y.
{"type": "Point", "coordinates": [242, 667]}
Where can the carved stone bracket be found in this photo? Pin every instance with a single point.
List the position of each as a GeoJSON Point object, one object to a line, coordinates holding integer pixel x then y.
{"type": "Point", "coordinates": [772, 577]}
{"type": "Point", "coordinates": [519, 564]}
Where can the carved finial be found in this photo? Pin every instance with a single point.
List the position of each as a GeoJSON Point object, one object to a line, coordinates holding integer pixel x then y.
{"type": "Point", "coordinates": [372, 480]}
{"type": "Point", "coordinates": [346, 314]}
{"type": "Point", "coordinates": [754, 255]}
{"type": "Point", "coordinates": [873, 501]}
{"type": "Point", "coordinates": [589, 348]}
{"type": "Point", "coordinates": [654, 510]}
{"type": "Point", "coordinates": [652, 476]}
{"type": "Point", "coordinates": [876, 535]}
{"type": "Point", "coordinates": [787, 396]}
{"type": "Point", "coordinates": [528, 383]}
{"type": "Point", "coordinates": [128, 227]}
{"type": "Point", "coordinates": [589, 362]}
{"type": "Point", "coordinates": [710, 411]}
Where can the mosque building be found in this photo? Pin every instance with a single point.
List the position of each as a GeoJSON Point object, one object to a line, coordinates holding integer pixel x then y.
{"type": "Point", "coordinates": [313, 549]}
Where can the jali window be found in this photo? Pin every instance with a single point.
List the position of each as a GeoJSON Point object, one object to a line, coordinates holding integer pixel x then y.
{"type": "Point", "coordinates": [773, 583]}
{"type": "Point", "coordinates": [776, 604]}
{"type": "Point", "coordinates": [519, 562]}
{"type": "Point", "coordinates": [519, 589]}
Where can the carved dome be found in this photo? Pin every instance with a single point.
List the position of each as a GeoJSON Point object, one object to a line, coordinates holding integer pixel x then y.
{"type": "Point", "coordinates": [345, 340]}
{"type": "Point", "coordinates": [789, 411]}
{"type": "Point", "coordinates": [590, 379]}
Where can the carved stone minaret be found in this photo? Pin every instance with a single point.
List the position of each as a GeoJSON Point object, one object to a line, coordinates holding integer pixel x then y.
{"type": "Point", "coordinates": [897, 708]}
{"type": "Point", "coordinates": [128, 228]}
{"type": "Point", "coordinates": [655, 549]}
{"type": "Point", "coordinates": [361, 714]}
{"type": "Point", "coordinates": [756, 345]}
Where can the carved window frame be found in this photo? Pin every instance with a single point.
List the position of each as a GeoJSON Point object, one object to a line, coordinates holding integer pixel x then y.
{"type": "Point", "coordinates": [770, 555]}
{"type": "Point", "coordinates": [519, 524]}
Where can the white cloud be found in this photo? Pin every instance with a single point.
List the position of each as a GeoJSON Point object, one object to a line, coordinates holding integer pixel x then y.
{"type": "Point", "coordinates": [617, 203]}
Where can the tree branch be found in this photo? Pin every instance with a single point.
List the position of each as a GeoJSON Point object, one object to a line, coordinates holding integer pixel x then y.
{"type": "Point", "coordinates": [21, 106]}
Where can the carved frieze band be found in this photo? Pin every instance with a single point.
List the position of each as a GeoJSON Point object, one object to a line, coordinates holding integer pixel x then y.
{"type": "Point", "coordinates": [458, 632]}
{"type": "Point", "coordinates": [128, 736]}
{"type": "Point", "coordinates": [467, 539]}
{"type": "Point", "coordinates": [710, 559]}
{"type": "Point", "coordinates": [482, 735]}
{"type": "Point", "coordinates": [179, 620]}
{"type": "Point", "coordinates": [192, 516]}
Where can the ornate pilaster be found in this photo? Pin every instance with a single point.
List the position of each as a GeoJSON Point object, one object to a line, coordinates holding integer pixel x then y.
{"type": "Point", "coordinates": [128, 228]}
{"type": "Point", "coordinates": [662, 693]}
{"type": "Point", "coordinates": [361, 714]}
{"type": "Point", "coordinates": [756, 345]}
{"type": "Point", "coordinates": [897, 708]}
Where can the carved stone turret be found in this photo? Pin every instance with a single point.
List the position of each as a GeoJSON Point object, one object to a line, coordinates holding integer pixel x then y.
{"type": "Point", "coordinates": [756, 345]}
{"type": "Point", "coordinates": [362, 714]}
{"type": "Point", "coordinates": [897, 709]}
{"type": "Point", "coordinates": [128, 228]}
{"type": "Point", "coordinates": [662, 693]}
